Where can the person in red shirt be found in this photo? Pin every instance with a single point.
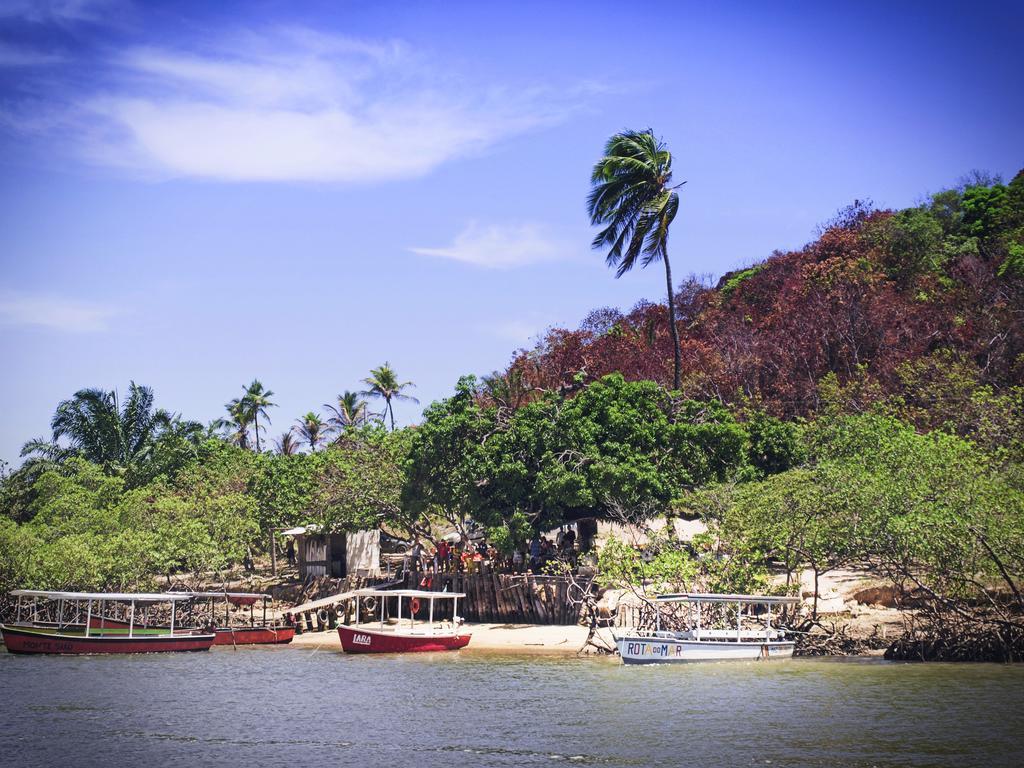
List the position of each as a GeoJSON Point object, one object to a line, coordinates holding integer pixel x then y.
{"type": "Point", "coordinates": [443, 553]}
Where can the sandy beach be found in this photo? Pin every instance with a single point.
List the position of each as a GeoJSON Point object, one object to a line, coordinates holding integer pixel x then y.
{"type": "Point", "coordinates": [512, 638]}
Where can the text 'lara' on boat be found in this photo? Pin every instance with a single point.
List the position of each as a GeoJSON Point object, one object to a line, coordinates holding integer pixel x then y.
{"type": "Point", "coordinates": [76, 624]}
{"type": "Point", "coordinates": [724, 632]}
{"type": "Point", "coordinates": [400, 631]}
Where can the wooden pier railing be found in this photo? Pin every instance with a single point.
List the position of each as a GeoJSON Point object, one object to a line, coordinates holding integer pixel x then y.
{"type": "Point", "coordinates": [507, 598]}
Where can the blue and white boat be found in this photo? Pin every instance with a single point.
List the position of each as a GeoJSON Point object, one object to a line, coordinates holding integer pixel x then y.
{"type": "Point", "coordinates": [750, 638]}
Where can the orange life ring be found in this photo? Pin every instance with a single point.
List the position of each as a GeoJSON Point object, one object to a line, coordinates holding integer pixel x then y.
{"type": "Point", "coordinates": [414, 606]}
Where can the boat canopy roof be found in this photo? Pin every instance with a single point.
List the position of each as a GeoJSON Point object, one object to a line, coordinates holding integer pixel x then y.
{"type": "Point", "coordinates": [711, 597]}
{"type": "Point", "coordinates": [112, 597]}
{"type": "Point", "coordinates": [227, 595]}
{"type": "Point", "coordinates": [420, 593]}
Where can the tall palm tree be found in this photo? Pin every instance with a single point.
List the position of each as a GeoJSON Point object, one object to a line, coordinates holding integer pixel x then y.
{"type": "Point", "coordinates": [312, 430]}
{"type": "Point", "coordinates": [257, 400]}
{"type": "Point", "coordinates": [349, 411]}
{"type": "Point", "coordinates": [286, 444]}
{"type": "Point", "coordinates": [633, 197]}
{"type": "Point", "coordinates": [98, 427]}
{"type": "Point", "coordinates": [383, 383]}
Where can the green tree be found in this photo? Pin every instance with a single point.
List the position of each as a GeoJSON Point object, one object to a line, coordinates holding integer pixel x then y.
{"type": "Point", "coordinates": [445, 462]}
{"type": "Point", "coordinates": [312, 430]}
{"type": "Point", "coordinates": [383, 383]}
{"type": "Point", "coordinates": [286, 444]}
{"type": "Point", "coordinates": [256, 401]}
{"type": "Point", "coordinates": [633, 197]}
{"type": "Point", "coordinates": [349, 411]}
{"type": "Point", "coordinates": [236, 426]}
{"type": "Point", "coordinates": [120, 437]}
{"type": "Point", "coordinates": [615, 445]}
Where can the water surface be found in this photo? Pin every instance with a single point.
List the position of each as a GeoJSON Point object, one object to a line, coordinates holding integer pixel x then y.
{"type": "Point", "coordinates": [297, 706]}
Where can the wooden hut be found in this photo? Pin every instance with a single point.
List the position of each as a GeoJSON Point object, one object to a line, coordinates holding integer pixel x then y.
{"type": "Point", "coordinates": [337, 555]}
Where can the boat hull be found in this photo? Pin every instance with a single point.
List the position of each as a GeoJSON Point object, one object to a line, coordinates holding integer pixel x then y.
{"type": "Point", "coordinates": [254, 635]}
{"type": "Point", "coordinates": [661, 650]}
{"type": "Point", "coordinates": [27, 640]}
{"type": "Point", "coordinates": [363, 640]}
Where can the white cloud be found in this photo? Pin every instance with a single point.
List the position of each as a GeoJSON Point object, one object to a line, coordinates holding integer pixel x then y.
{"type": "Point", "coordinates": [299, 106]}
{"type": "Point", "coordinates": [53, 312]}
{"type": "Point", "coordinates": [499, 246]}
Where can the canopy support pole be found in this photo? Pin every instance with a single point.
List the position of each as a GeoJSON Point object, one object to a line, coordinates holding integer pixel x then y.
{"type": "Point", "coordinates": [88, 619]}
{"type": "Point", "coordinates": [131, 621]}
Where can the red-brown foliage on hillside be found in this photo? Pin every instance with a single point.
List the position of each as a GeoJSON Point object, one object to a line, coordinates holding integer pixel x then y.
{"type": "Point", "coordinates": [876, 292]}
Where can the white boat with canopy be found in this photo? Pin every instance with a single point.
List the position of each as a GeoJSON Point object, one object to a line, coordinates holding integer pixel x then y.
{"type": "Point", "coordinates": [721, 627]}
{"type": "Point", "coordinates": [80, 624]}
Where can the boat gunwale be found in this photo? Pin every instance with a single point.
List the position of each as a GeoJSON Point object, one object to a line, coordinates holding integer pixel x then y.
{"type": "Point", "coordinates": [38, 632]}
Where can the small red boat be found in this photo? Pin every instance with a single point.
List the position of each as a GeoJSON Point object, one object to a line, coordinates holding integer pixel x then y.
{"type": "Point", "coordinates": [404, 635]}
{"type": "Point", "coordinates": [254, 635]}
{"type": "Point", "coordinates": [258, 632]}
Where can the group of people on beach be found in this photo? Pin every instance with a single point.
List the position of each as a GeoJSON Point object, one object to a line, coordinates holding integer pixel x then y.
{"type": "Point", "coordinates": [468, 556]}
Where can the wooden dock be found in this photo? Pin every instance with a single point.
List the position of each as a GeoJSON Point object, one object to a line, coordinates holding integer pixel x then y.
{"type": "Point", "coordinates": [490, 598]}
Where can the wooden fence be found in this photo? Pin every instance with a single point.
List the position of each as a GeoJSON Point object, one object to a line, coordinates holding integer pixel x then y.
{"type": "Point", "coordinates": [490, 598]}
{"type": "Point", "coordinates": [507, 598]}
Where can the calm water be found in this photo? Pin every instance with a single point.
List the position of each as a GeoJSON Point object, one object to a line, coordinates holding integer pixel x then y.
{"type": "Point", "coordinates": [297, 707]}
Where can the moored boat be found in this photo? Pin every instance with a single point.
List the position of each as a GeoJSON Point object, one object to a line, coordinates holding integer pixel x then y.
{"type": "Point", "coordinates": [751, 637]}
{"type": "Point", "coordinates": [403, 634]}
{"type": "Point", "coordinates": [83, 637]}
{"type": "Point", "coordinates": [262, 631]}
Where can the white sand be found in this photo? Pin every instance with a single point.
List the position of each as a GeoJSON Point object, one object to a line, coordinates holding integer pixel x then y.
{"type": "Point", "coordinates": [511, 638]}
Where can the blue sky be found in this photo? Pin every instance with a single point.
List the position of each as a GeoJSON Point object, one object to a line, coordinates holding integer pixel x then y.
{"type": "Point", "coordinates": [197, 194]}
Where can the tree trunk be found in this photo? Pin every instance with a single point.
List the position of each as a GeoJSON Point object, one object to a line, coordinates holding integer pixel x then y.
{"type": "Point", "coordinates": [256, 421]}
{"type": "Point", "coordinates": [273, 553]}
{"type": "Point", "coordinates": [814, 607]}
{"type": "Point", "coordinates": [676, 356]}
{"type": "Point", "coordinates": [391, 412]}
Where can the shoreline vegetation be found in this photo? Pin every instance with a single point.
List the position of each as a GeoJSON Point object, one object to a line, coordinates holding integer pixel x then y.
{"type": "Point", "coordinates": [854, 406]}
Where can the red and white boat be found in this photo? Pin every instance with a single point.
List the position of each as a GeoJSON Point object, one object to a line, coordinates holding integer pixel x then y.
{"type": "Point", "coordinates": [401, 631]}
{"type": "Point", "coordinates": [263, 631]}
{"type": "Point", "coordinates": [84, 637]}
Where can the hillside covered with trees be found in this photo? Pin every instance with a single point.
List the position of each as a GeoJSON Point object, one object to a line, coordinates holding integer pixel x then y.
{"type": "Point", "coordinates": [859, 401]}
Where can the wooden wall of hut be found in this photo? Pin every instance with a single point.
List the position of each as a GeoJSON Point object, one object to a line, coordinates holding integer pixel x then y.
{"type": "Point", "coordinates": [506, 598]}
